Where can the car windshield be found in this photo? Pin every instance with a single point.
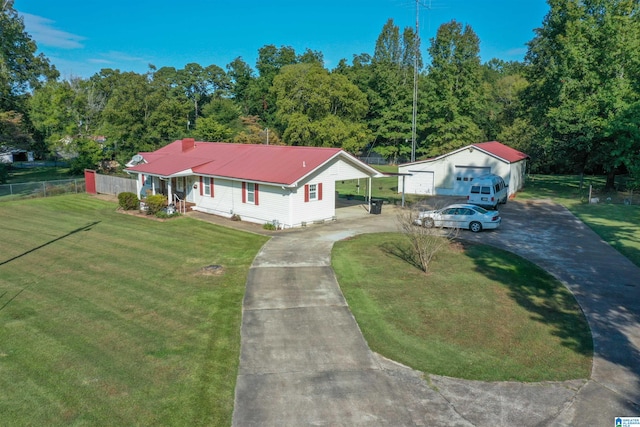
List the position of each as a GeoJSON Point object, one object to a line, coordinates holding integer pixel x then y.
{"type": "Point", "coordinates": [480, 210]}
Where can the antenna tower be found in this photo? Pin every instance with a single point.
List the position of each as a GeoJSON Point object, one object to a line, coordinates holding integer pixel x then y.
{"type": "Point", "coordinates": [414, 118]}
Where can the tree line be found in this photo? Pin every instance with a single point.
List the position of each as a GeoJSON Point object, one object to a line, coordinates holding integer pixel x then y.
{"type": "Point", "coordinates": [573, 104]}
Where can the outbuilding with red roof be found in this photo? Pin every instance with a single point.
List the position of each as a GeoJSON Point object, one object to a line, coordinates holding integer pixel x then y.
{"type": "Point", "coordinates": [451, 174]}
{"type": "Point", "coordinates": [288, 186]}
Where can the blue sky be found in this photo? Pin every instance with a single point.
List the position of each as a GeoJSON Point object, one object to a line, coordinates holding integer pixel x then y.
{"type": "Point", "coordinates": [80, 37]}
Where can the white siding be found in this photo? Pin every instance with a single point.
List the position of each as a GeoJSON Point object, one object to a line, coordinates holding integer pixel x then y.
{"type": "Point", "coordinates": [517, 176]}
{"type": "Point", "coordinates": [227, 201]}
{"type": "Point", "coordinates": [283, 205]}
{"type": "Point", "coordinates": [469, 163]}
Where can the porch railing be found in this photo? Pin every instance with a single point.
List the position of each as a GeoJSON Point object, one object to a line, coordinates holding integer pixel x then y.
{"type": "Point", "coordinates": [180, 204]}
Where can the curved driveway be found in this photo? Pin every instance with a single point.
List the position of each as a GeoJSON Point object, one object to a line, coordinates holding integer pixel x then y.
{"type": "Point", "coordinates": [304, 361]}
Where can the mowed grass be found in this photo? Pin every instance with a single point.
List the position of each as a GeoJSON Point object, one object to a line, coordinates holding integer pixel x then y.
{"type": "Point", "coordinates": [481, 314]}
{"type": "Point", "coordinates": [383, 188]}
{"type": "Point", "coordinates": [106, 319]}
{"type": "Point", "coordinates": [41, 173]}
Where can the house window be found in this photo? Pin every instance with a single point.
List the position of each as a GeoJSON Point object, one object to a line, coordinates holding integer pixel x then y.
{"type": "Point", "coordinates": [312, 192]}
{"type": "Point", "coordinates": [206, 186]}
{"type": "Point", "coordinates": [250, 193]}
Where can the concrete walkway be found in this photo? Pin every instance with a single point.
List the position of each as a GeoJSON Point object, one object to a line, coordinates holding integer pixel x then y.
{"type": "Point", "coordinates": [304, 361]}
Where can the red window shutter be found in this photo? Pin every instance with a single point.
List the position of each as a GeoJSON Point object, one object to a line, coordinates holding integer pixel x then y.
{"type": "Point", "coordinates": [255, 194]}
{"type": "Point", "coordinates": [244, 192]}
{"type": "Point", "coordinates": [320, 191]}
{"type": "Point", "coordinates": [211, 186]}
{"type": "Point", "coordinates": [201, 186]}
{"type": "Point", "coordinates": [306, 193]}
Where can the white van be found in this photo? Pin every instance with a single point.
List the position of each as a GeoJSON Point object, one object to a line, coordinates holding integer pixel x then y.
{"type": "Point", "coordinates": [488, 190]}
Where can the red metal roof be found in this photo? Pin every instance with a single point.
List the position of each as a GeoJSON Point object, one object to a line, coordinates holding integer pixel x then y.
{"type": "Point", "coordinates": [505, 152]}
{"type": "Point", "coordinates": [260, 163]}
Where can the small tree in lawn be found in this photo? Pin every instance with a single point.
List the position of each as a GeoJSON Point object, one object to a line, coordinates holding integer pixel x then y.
{"type": "Point", "coordinates": [425, 241]}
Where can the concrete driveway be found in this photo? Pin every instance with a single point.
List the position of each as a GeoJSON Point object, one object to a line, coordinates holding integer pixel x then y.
{"type": "Point", "coordinates": [304, 361]}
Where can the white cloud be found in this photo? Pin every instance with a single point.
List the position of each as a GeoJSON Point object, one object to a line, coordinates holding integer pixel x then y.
{"type": "Point", "coordinates": [43, 32]}
{"type": "Point", "coordinates": [115, 57]}
{"type": "Point", "coordinates": [121, 56]}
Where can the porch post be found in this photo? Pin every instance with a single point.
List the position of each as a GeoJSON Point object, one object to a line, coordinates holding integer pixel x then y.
{"type": "Point", "coordinates": [169, 191]}
{"type": "Point", "coordinates": [369, 193]}
{"type": "Point", "coordinates": [153, 185]}
{"type": "Point", "coordinates": [139, 185]}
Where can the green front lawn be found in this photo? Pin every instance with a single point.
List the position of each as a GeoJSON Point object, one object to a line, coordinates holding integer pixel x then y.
{"type": "Point", "coordinates": [107, 319]}
{"type": "Point", "coordinates": [481, 314]}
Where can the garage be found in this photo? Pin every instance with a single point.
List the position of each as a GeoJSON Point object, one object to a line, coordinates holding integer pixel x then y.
{"type": "Point", "coordinates": [464, 176]}
{"type": "Point", "coordinates": [422, 181]}
{"type": "Point", "coordinates": [452, 174]}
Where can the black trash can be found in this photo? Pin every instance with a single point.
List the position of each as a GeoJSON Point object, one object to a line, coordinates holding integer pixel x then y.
{"type": "Point", "coordinates": [376, 206]}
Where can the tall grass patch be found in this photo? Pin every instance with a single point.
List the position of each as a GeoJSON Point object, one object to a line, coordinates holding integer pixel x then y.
{"type": "Point", "coordinates": [106, 319]}
{"type": "Point", "coordinates": [481, 314]}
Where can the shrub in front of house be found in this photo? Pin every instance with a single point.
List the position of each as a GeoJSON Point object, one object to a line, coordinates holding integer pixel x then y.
{"type": "Point", "coordinates": [162, 214]}
{"type": "Point", "coordinates": [128, 201]}
{"type": "Point", "coordinates": [155, 203]}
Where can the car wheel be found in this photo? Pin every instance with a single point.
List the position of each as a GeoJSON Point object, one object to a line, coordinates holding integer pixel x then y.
{"type": "Point", "coordinates": [427, 222]}
{"type": "Point", "coordinates": [475, 226]}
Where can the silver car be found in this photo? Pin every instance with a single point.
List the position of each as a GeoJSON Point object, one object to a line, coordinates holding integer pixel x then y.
{"type": "Point", "coordinates": [471, 217]}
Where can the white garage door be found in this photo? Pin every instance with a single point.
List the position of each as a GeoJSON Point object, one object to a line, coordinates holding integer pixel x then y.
{"type": "Point", "coordinates": [464, 176]}
{"type": "Point", "coordinates": [422, 182]}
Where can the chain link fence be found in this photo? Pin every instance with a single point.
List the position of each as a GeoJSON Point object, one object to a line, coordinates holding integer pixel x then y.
{"type": "Point", "coordinates": [26, 190]}
{"type": "Point", "coordinates": [597, 194]}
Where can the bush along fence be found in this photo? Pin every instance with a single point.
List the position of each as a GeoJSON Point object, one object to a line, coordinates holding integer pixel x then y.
{"type": "Point", "coordinates": [27, 190]}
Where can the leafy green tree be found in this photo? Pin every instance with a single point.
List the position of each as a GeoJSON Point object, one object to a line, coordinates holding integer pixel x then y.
{"type": "Point", "coordinates": [126, 114]}
{"type": "Point", "coordinates": [209, 129]}
{"type": "Point", "coordinates": [454, 91]}
{"type": "Point", "coordinates": [317, 108]}
{"type": "Point", "coordinates": [89, 154]}
{"type": "Point", "coordinates": [52, 114]}
{"type": "Point", "coordinates": [87, 106]}
{"type": "Point", "coordinates": [21, 70]}
{"type": "Point", "coordinates": [622, 139]}
{"type": "Point", "coordinates": [391, 89]}
{"type": "Point", "coordinates": [199, 84]}
{"type": "Point", "coordinates": [167, 121]}
{"type": "Point", "coordinates": [583, 72]}
{"type": "Point", "coordinates": [241, 76]}
{"type": "Point", "coordinates": [504, 84]}
{"type": "Point", "coordinates": [270, 61]}
{"type": "Point", "coordinates": [253, 132]}
{"type": "Point", "coordinates": [13, 129]}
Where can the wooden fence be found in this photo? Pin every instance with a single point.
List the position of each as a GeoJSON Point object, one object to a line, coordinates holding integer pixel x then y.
{"type": "Point", "coordinates": [107, 184]}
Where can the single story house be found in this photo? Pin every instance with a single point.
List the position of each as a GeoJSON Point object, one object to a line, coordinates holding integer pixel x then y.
{"type": "Point", "coordinates": [288, 186]}
{"type": "Point", "coordinates": [451, 174]}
